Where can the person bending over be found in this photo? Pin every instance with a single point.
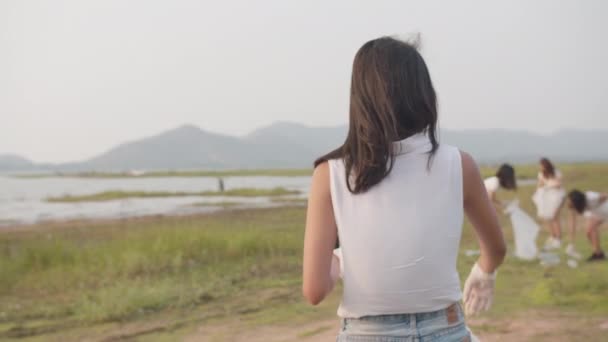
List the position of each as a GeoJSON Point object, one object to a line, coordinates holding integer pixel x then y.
{"type": "Point", "coordinates": [593, 206]}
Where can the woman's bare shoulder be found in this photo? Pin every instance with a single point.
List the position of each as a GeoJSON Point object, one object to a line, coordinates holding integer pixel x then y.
{"type": "Point", "coordinates": [468, 164]}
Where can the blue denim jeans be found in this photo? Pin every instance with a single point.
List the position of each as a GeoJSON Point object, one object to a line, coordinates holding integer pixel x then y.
{"type": "Point", "coordinates": [445, 325]}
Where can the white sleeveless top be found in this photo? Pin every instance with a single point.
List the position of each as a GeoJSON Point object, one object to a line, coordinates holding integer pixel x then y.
{"type": "Point", "coordinates": [400, 239]}
{"type": "Point", "coordinates": [594, 207]}
{"type": "Point", "coordinates": [492, 184]}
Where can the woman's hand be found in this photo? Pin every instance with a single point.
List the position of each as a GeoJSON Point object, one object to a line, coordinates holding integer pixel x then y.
{"type": "Point", "coordinates": [337, 262]}
{"type": "Point", "coordinates": [478, 291]}
{"type": "Point", "coordinates": [603, 198]}
{"type": "Point", "coordinates": [479, 287]}
{"type": "Point", "coordinates": [335, 272]}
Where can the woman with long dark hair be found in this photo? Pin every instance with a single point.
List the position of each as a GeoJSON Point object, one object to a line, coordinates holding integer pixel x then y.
{"type": "Point", "coordinates": [549, 198]}
{"type": "Point", "coordinates": [397, 198]}
{"type": "Point", "coordinates": [593, 206]}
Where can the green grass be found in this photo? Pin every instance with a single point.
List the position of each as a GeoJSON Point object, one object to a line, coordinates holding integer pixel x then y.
{"type": "Point", "coordinates": [223, 204]}
{"type": "Point", "coordinates": [118, 272]}
{"type": "Point", "coordinates": [314, 331]}
{"type": "Point", "coordinates": [201, 173]}
{"type": "Point", "coordinates": [290, 200]}
{"type": "Point", "coordinates": [118, 194]}
{"type": "Point", "coordinates": [74, 280]}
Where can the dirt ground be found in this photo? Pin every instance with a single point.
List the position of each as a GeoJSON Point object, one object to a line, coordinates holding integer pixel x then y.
{"type": "Point", "coordinates": [533, 326]}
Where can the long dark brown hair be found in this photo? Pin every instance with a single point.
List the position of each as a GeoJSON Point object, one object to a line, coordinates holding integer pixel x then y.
{"type": "Point", "coordinates": [506, 177]}
{"type": "Point", "coordinates": [391, 98]}
{"type": "Point", "coordinates": [548, 168]}
{"type": "Point", "coordinates": [578, 201]}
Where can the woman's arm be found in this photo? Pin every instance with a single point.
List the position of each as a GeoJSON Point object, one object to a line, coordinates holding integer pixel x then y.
{"type": "Point", "coordinates": [540, 181]}
{"type": "Point", "coordinates": [482, 215]}
{"type": "Point", "coordinates": [319, 239]}
{"type": "Point", "coordinates": [557, 180]}
{"type": "Point", "coordinates": [492, 195]}
{"type": "Point", "coordinates": [572, 218]}
{"type": "Point", "coordinates": [603, 198]}
{"type": "Point", "coordinates": [497, 204]}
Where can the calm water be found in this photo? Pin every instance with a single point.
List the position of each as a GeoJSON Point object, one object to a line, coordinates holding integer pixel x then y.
{"type": "Point", "coordinates": [23, 200]}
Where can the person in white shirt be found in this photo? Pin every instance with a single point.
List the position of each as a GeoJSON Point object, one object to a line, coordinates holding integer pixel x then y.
{"type": "Point", "coordinates": [593, 206]}
{"type": "Point", "coordinates": [549, 199]}
{"type": "Point", "coordinates": [397, 200]}
{"type": "Point", "coordinates": [505, 179]}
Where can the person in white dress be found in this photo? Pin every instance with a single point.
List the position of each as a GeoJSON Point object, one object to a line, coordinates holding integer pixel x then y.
{"type": "Point", "coordinates": [504, 179]}
{"type": "Point", "coordinates": [549, 199]}
{"type": "Point", "coordinates": [593, 206]}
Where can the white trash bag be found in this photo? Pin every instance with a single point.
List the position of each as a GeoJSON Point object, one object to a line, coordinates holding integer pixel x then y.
{"type": "Point", "coordinates": [525, 231]}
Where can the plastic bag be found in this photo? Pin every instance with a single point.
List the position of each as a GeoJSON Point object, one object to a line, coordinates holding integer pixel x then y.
{"type": "Point", "coordinates": [525, 231]}
{"type": "Point", "coordinates": [549, 259]}
{"type": "Point", "coordinates": [572, 263]}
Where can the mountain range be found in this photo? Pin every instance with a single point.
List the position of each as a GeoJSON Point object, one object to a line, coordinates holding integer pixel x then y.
{"type": "Point", "coordinates": [291, 145]}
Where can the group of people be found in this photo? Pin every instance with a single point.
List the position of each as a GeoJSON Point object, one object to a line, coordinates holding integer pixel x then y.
{"type": "Point", "coordinates": [550, 197]}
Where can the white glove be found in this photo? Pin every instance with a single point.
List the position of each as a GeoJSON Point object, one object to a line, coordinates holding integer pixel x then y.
{"type": "Point", "coordinates": [473, 338]}
{"type": "Point", "coordinates": [478, 291]}
{"type": "Point", "coordinates": [340, 264]}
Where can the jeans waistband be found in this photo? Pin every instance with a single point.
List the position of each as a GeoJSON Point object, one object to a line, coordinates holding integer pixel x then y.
{"type": "Point", "coordinates": [453, 313]}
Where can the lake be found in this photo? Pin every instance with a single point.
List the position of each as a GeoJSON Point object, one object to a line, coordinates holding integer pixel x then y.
{"type": "Point", "coordinates": [23, 200]}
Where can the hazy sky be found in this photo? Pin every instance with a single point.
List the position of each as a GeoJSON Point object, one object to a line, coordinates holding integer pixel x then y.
{"type": "Point", "coordinates": [77, 77]}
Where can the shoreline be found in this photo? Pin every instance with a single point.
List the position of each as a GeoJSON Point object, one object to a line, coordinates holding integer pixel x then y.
{"type": "Point", "coordinates": [115, 195]}
{"type": "Point", "coordinates": [94, 222]}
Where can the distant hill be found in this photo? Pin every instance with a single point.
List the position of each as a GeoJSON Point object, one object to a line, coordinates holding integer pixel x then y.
{"type": "Point", "coordinates": [291, 145]}
{"type": "Point", "coordinates": [11, 162]}
{"type": "Point", "coordinates": [281, 145]}
{"type": "Point", "coordinates": [495, 146]}
{"type": "Point", "coordinates": [184, 147]}
{"type": "Point", "coordinates": [297, 144]}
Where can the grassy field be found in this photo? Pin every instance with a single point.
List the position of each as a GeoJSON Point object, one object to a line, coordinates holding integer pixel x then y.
{"type": "Point", "coordinates": [290, 200]}
{"type": "Point", "coordinates": [222, 204]}
{"type": "Point", "coordinates": [86, 275]}
{"type": "Point", "coordinates": [214, 277]}
{"type": "Point", "coordinates": [115, 195]}
{"type": "Point", "coordinates": [193, 173]}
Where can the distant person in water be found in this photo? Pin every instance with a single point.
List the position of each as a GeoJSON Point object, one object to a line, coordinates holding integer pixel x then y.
{"type": "Point", "coordinates": [549, 199]}
{"type": "Point", "coordinates": [504, 179]}
{"type": "Point", "coordinates": [593, 206]}
{"type": "Point", "coordinates": [220, 184]}
{"type": "Point", "coordinates": [397, 198]}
